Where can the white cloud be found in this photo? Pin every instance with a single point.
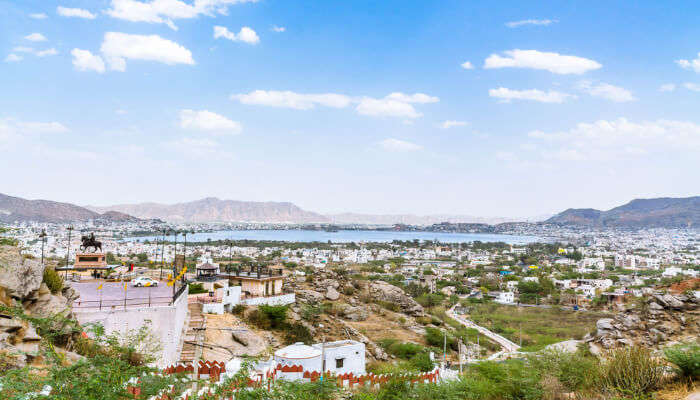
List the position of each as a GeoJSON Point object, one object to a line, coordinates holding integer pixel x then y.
{"type": "Point", "coordinates": [542, 22]}
{"type": "Point", "coordinates": [610, 140]}
{"type": "Point", "coordinates": [12, 57]}
{"type": "Point", "coordinates": [117, 47]}
{"type": "Point", "coordinates": [552, 96]}
{"type": "Point", "coordinates": [420, 98]}
{"type": "Point", "coordinates": [36, 37]}
{"type": "Point", "coordinates": [396, 145]}
{"type": "Point", "coordinates": [208, 121]}
{"type": "Point", "coordinates": [386, 108]}
{"type": "Point", "coordinates": [41, 127]}
{"type": "Point", "coordinates": [23, 49]}
{"type": "Point", "coordinates": [74, 12]}
{"type": "Point", "coordinates": [451, 123]}
{"type": "Point", "coordinates": [607, 91]}
{"type": "Point", "coordinates": [165, 11]}
{"type": "Point", "coordinates": [83, 60]}
{"type": "Point", "coordinates": [667, 87]}
{"type": "Point", "coordinates": [38, 53]}
{"type": "Point", "coordinates": [692, 86]}
{"type": "Point", "coordinates": [552, 62]}
{"type": "Point", "coordinates": [693, 65]}
{"type": "Point", "coordinates": [288, 99]}
{"type": "Point", "coordinates": [467, 65]}
{"type": "Point", "coordinates": [38, 16]}
{"type": "Point", "coordinates": [47, 52]}
{"type": "Point", "coordinates": [396, 104]}
{"type": "Point", "coordinates": [120, 111]}
{"type": "Point", "coordinates": [278, 29]}
{"type": "Point", "coordinates": [246, 35]}
{"type": "Point", "coordinates": [16, 132]}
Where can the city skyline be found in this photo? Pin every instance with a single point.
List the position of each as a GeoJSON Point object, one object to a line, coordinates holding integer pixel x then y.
{"type": "Point", "coordinates": [391, 108]}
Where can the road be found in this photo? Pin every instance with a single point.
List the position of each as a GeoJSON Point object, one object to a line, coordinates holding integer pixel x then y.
{"type": "Point", "coordinates": [507, 345]}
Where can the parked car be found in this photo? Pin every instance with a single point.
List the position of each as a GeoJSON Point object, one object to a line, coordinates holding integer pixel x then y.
{"type": "Point", "coordinates": [144, 281]}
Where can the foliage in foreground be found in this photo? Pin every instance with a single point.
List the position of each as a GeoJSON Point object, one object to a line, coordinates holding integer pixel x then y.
{"type": "Point", "coordinates": [686, 358]}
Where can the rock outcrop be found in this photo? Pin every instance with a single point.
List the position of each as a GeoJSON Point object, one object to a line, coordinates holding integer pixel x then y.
{"type": "Point", "coordinates": [383, 291]}
{"type": "Point", "coordinates": [22, 287]}
{"type": "Point", "coordinates": [652, 321]}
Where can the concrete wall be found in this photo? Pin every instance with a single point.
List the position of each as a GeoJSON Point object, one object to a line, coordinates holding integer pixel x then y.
{"type": "Point", "coordinates": [352, 353]}
{"type": "Point", "coordinates": [270, 300]}
{"type": "Point", "coordinates": [166, 323]}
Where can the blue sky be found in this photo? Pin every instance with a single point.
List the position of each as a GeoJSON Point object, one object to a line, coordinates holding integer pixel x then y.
{"type": "Point", "coordinates": [359, 106]}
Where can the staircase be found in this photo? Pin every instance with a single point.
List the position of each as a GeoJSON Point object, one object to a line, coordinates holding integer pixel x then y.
{"type": "Point", "coordinates": [195, 333]}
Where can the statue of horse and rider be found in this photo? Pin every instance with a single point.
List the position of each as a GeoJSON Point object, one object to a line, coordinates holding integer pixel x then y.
{"type": "Point", "coordinates": [90, 241]}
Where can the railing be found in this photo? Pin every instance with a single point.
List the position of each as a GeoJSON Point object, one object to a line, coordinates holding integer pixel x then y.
{"type": "Point", "coordinates": [114, 304]}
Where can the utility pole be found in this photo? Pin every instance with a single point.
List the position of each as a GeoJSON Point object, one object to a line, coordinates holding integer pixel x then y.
{"type": "Point", "coordinates": [42, 236]}
{"type": "Point", "coordinates": [521, 334]}
{"type": "Point", "coordinates": [70, 229]}
{"type": "Point", "coordinates": [175, 233]}
{"type": "Point", "coordinates": [162, 253]}
{"type": "Point", "coordinates": [444, 349]}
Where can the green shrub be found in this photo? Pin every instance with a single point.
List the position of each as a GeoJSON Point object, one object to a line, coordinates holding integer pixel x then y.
{"type": "Point", "coordinates": [238, 309]}
{"type": "Point", "coordinates": [297, 332]}
{"type": "Point", "coordinates": [259, 319]}
{"type": "Point", "coordinates": [53, 280]}
{"type": "Point", "coordinates": [686, 358]}
{"type": "Point", "coordinates": [422, 362]}
{"type": "Point", "coordinates": [631, 371]}
{"type": "Point", "coordinates": [275, 314]}
{"type": "Point", "coordinates": [577, 371]}
{"type": "Point", "coordinates": [196, 288]}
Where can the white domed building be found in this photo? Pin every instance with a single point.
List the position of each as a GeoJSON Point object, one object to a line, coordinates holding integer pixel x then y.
{"type": "Point", "coordinates": [340, 357]}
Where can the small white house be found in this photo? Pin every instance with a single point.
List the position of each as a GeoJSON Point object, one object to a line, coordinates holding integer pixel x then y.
{"type": "Point", "coordinates": [343, 356]}
{"type": "Point", "coordinates": [506, 298]}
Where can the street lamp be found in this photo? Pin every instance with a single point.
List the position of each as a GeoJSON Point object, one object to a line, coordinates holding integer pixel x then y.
{"type": "Point", "coordinates": [42, 236]}
{"type": "Point", "coordinates": [70, 229]}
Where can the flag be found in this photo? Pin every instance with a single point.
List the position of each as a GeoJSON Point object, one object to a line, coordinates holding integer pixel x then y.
{"type": "Point", "coordinates": [148, 284]}
{"type": "Point", "coordinates": [124, 286]}
{"type": "Point", "coordinates": [99, 287]}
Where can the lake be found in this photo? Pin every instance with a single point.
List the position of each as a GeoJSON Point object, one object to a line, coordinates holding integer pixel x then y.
{"type": "Point", "coordinates": [346, 236]}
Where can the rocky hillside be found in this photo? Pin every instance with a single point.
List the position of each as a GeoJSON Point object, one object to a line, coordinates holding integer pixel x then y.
{"type": "Point", "coordinates": [653, 321]}
{"type": "Point", "coordinates": [212, 209]}
{"type": "Point", "coordinates": [17, 209]}
{"type": "Point", "coordinates": [22, 288]}
{"type": "Point", "coordinates": [640, 213]}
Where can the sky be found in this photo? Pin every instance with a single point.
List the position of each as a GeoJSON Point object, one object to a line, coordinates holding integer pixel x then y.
{"type": "Point", "coordinates": [506, 108]}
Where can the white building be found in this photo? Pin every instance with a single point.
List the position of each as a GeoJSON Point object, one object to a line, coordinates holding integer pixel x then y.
{"type": "Point", "coordinates": [506, 298]}
{"type": "Point", "coordinates": [343, 356]}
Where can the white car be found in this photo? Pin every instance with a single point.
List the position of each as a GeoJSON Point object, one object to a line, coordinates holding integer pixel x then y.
{"type": "Point", "coordinates": [144, 281]}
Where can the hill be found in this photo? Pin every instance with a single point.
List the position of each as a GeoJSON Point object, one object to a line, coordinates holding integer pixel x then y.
{"type": "Point", "coordinates": [18, 209]}
{"type": "Point", "coordinates": [662, 212]}
{"type": "Point", "coordinates": [212, 209]}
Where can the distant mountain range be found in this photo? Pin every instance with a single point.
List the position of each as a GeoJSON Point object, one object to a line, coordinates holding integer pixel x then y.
{"type": "Point", "coordinates": [662, 212]}
{"type": "Point", "coordinates": [17, 209]}
{"type": "Point", "coordinates": [212, 209]}
{"type": "Point", "coordinates": [640, 213]}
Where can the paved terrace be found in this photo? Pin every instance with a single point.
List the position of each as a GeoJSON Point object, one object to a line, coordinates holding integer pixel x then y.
{"type": "Point", "coordinates": [113, 295]}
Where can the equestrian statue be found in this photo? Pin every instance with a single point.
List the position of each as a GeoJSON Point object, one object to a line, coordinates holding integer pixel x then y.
{"type": "Point", "coordinates": [89, 241]}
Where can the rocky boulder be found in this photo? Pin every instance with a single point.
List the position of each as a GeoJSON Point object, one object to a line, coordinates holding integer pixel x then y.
{"type": "Point", "coordinates": [383, 291]}
{"type": "Point", "coordinates": [652, 321]}
{"type": "Point", "coordinates": [332, 294]}
{"type": "Point", "coordinates": [19, 276]}
{"type": "Point", "coordinates": [355, 313]}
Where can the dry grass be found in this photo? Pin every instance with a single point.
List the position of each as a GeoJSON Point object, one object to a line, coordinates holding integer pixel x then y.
{"type": "Point", "coordinates": [677, 391]}
{"type": "Point", "coordinates": [378, 327]}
